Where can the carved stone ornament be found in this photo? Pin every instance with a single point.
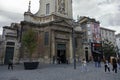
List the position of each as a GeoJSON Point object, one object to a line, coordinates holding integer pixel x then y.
{"type": "Point", "coordinates": [61, 6]}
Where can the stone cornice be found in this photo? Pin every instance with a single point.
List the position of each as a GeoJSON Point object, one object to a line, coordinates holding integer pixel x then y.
{"type": "Point", "coordinates": [43, 19]}
{"type": "Point", "coordinates": [45, 24]}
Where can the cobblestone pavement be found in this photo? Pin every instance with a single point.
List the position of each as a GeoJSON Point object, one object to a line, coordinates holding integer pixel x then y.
{"type": "Point", "coordinates": [57, 72]}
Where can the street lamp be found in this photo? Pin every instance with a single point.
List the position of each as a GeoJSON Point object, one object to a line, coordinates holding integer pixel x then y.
{"type": "Point", "coordinates": [73, 43]}
{"type": "Point", "coordinates": [75, 27]}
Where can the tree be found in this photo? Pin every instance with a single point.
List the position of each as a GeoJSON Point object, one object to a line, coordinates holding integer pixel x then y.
{"type": "Point", "coordinates": [108, 49]}
{"type": "Point", "coordinates": [29, 41]}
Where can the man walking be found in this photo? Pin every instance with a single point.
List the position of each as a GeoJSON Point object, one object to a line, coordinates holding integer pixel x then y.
{"type": "Point", "coordinates": [114, 64]}
{"type": "Point", "coordinates": [10, 64]}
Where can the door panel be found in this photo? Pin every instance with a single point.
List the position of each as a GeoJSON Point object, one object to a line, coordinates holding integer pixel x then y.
{"type": "Point", "coordinates": [9, 54]}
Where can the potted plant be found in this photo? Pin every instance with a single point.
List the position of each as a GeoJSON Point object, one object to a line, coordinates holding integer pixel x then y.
{"type": "Point", "coordinates": [29, 42]}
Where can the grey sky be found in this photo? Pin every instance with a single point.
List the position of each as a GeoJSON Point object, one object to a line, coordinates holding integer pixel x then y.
{"type": "Point", "coordinates": [105, 11]}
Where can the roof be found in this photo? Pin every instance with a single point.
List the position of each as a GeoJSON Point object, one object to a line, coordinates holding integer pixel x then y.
{"type": "Point", "coordinates": [117, 35]}
{"type": "Point", "coordinates": [7, 27]}
{"type": "Point", "coordinates": [83, 19]}
{"type": "Point", "coordinates": [107, 29]}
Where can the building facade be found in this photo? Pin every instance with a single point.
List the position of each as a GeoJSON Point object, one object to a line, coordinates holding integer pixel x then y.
{"type": "Point", "coordinates": [118, 43]}
{"type": "Point", "coordinates": [1, 49]}
{"type": "Point", "coordinates": [10, 43]}
{"type": "Point", "coordinates": [108, 34]}
{"type": "Point", "coordinates": [91, 36]}
{"type": "Point", "coordinates": [54, 25]}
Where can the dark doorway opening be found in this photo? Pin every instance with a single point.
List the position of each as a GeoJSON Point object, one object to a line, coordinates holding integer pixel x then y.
{"type": "Point", "coordinates": [86, 55]}
{"type": "Point", "coordinates": [61, 53]}
{"type": "Point", "coordinates": [61, 56]}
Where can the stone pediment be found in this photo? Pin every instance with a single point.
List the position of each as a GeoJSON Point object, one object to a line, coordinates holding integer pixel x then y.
{"type": "Point", "coordinates": [63, 23]}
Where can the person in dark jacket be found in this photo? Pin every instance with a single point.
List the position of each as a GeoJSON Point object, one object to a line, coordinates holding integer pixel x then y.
{"type": "Point", "coordinates": [118, 62]}
{"type": "Point", "coordinates": [10, 64]}
{"type": "Point", "coordinates": [107, 67]}
{"type": "Point", "coordinates": [99, 62]}
{"type": "Point", "coordinates": [96, 61]}
{"type": "Point", "coordinates": [114, 64]}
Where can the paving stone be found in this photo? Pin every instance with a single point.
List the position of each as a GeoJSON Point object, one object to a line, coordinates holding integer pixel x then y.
{"type": "Point", "coordinates": [57, 72]}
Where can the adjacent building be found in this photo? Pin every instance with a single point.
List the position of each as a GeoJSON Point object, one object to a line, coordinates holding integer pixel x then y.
{"type": "Point", "coordinates": [10, 43]}
{"type": "Point", "coordinates": [1, 50]}
{"type": "Point", "coordinates": [91, 36]}
{"type": "Point", "coordinates": [108, 34]}
{"type": "Point", "coordinates": [118, 43]}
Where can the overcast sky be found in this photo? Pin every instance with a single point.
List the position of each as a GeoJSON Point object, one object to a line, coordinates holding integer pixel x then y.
{"type": "Point", "coordinates": [105, 11]}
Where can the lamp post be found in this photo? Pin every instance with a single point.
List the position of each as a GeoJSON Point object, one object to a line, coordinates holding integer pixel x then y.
{"type": "Point", "coordinates": [73, 43]}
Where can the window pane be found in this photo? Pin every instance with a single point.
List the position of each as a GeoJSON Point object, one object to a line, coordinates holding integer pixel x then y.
{"type": "Point", "coordinates": [47, 8]}
{"type": "Point", "coordinates": [46, 38]}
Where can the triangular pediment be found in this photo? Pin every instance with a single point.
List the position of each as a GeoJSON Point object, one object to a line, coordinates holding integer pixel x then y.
{"type": "Point", "coordinates": [66, 23]}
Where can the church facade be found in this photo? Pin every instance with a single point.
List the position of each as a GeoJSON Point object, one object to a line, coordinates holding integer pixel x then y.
{"type": "Point", "coordinates": [59, 37]}
{"type": "Point", "coordinates": [54, 25]}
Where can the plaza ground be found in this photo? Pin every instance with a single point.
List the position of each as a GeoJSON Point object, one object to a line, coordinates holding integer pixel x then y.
{"type": "Point", "coordinates": [57, 72]}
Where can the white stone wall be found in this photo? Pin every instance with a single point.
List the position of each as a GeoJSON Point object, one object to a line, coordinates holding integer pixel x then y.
{"type": "Point", "coordinates": [42, 8]}
{"type": "Point", "coordinates": [108, 34]}
{"type": "Point", "coordinates": [54, 8]}
{"type": "Point", "coordinates": [70, 12]}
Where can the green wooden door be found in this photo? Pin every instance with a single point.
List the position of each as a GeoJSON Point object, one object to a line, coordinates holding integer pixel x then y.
{"type": "Point", "coordinates": [9, 54]}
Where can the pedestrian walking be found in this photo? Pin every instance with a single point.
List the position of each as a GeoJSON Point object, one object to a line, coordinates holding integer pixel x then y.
{"type": "Point", "coordinates": [96, 61]}
{"type": "Point", "coordinates": [10, 64]}
{"type": "Point", "coordinates": [118, 61]}
{"type": "Point", "coordinates": [84, 65]}
{"type": "Point", "coordinates": [99, 62]}
{"type": "Point", "coordinates": [107, 66]}
{"type": "Point", "coordinates": [114, 64]}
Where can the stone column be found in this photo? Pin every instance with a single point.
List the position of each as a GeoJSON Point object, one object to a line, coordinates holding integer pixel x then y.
{"type": "Point", "coordinates": [53, 44]}
{"type": "Point", "coordinates": [71, 49]}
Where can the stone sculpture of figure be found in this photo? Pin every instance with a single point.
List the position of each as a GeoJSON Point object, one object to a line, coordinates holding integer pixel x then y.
{"type": "Point", "coordinates": [61, 6]}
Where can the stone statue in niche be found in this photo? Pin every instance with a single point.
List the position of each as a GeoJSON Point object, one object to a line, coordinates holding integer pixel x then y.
{"type": "Point", "coordinates": [61, 6]}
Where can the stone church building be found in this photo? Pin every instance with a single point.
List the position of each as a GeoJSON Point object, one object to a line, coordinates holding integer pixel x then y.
{"type": "Point", "coordinates": [58, 35]}
{"type": "Point", "coordinates": [54, 25]}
